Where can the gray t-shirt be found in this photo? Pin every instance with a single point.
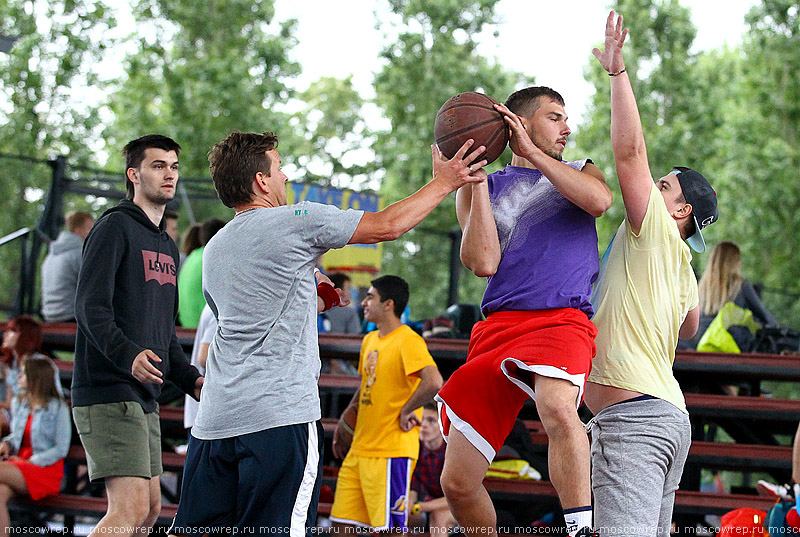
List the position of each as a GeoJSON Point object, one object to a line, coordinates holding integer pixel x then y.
{"type": "Point", "coordinates": [258, 278]}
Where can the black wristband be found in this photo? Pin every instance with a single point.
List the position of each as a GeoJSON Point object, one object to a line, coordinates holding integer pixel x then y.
{"type": "Point", "coordinates": [617, 73]}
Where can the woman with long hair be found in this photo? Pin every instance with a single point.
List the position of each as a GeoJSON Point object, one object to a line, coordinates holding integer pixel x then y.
{"type": "Point", "coordinates": [22, 338]}
{"type": "Point", "coordinates": [723, 282]}
{"type": "Point", "coordinates": [40, 436]}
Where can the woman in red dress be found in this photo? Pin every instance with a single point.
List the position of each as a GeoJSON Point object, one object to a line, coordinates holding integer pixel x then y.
{"type": "Point", "coordinates": [40, 436]}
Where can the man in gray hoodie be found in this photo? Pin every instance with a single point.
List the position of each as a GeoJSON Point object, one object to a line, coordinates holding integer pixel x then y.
{"type": "Point", "coordinates": [60, 268]}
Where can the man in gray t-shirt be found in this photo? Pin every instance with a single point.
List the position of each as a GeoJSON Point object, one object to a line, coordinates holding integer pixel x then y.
{"type": "Point", "coordinates": [255, 452]}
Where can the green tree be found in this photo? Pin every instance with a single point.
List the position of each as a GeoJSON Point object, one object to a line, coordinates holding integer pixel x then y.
{"type": "Point", "coordinates": [43, 83]}
{"type": "Point", "coordinates": [201, 70]}
{"type": "Point", "coordinates": [732, 114]}
{"type": "Point", "coordinates": [761, 194]}
{"type": "Point", "coordinates": [333, 144]}
{"type": "Point", "coordinates": [432, 58]}
{"type": "Point", "coordinates": [662, 72]}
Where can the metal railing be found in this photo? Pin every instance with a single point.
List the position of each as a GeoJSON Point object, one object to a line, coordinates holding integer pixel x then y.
{"type": "Point", "coordinates": [22, 235]}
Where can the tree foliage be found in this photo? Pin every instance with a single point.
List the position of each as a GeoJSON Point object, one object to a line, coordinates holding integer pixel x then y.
{"type": "Point", "coordinates": [731, 114]}
{"type": "Point", "coordinates": [433, 58]}
{"type": "Point", "coordinates": [200, 71]}
{"type": "Point", "coordinates": [333, 144]}
{"type": "Point", "coordinates": [660, 67]}
{"type": "Point", "coordinates": [763, 155]}
{"type": "Point", "coordinates": [43, 78]}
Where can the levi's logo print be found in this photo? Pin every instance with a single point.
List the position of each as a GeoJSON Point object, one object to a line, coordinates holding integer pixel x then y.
{"type": "Point", "coordinates": [370, 368]}
{"type": "Point", "coordinates": [159, 267]}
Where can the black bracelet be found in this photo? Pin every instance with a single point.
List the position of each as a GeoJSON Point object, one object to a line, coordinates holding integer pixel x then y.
{"type": "Point", "coordinates": [617, 73]}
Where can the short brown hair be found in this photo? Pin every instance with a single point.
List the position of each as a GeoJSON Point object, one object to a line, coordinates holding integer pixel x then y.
{"type": "Point", "coordinates": [134, 153]}
{"type": "Point", "coordinates": [75, 219]}
{"type": "Point", "coordinates": [234, 162]}
{"type": "Point", "coordinates": [526, 101]}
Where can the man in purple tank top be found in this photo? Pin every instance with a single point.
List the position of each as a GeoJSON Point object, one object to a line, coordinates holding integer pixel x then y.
{"type": "Point", "coordinates": [530, 229]}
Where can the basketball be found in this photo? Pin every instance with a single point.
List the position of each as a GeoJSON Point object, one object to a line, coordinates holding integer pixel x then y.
{"type": "Point", "coordinates": [470, 115]}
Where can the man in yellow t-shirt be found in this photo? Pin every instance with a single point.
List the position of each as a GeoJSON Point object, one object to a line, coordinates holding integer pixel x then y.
{"type": "Point", "coordinates": [398, 376]}
{"type": "Point", "coordinates": [645, 300]}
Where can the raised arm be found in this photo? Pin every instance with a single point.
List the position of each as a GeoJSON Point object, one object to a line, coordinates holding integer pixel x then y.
{"type": "Point", "coordinates": [480, 245]}
{"type": "Point", "coordinates": [401, 216]}
{"type": "Point", "coordinates": [627, 140]}
{"type": "Point", "coordinates": [586, 188]}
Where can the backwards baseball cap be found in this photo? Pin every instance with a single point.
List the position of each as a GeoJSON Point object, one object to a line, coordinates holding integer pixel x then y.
{"type": "Point", "coordinates": [699, 194]}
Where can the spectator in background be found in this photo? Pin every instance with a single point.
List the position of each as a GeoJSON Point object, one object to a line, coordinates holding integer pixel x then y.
{"type": "Point", "coordinates": [426, 494]}
{"type": "Point", "coordinates": [378, 431]}
{"type": "Point", "coordinates": [723, 282]}
{"type": "Point", "coordinates": [189, 243]}
{"type": "Point", "coordinates": [343, 320]}
{"type": "Point", "coordinates": [190, 279]}
{"type": "Point", "coordinates": [22, 338]}
{"type": "Point", "coordinates": [206, 328]}
{"type": "Point", "coordinates": [332, 321]}
{"type": "Point", "coordinates": [172, 226]}
{"type": "Point", "coordinates": [39, 439]}
{"type": "Point", "coordinates": [60, 268]}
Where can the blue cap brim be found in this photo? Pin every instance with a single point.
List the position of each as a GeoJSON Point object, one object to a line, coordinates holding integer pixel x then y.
{"type": "Point", "coordinates": [696, 241]}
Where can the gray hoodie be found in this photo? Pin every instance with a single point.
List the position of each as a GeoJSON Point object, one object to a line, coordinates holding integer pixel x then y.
{"type": "Point", "coordinates": [60, 277]}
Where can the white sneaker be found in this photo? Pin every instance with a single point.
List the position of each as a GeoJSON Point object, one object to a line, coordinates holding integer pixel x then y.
{"type": "Point", "coordinates": [784, 492]}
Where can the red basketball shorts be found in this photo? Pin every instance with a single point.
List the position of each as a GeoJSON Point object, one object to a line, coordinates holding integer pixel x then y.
{"type": "Point", "coordinates": [484, 396]}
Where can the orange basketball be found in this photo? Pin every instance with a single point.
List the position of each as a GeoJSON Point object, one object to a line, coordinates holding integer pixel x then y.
{"type": "Point", "coordinates": [470, 115]}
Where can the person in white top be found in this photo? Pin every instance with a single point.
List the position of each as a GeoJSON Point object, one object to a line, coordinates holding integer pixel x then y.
{"type": "Point", "coordinates": [206, 328]}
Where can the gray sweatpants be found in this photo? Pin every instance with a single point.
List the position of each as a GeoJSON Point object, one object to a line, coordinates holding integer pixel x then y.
{"type": "Point", "coordinates": [638, 452]}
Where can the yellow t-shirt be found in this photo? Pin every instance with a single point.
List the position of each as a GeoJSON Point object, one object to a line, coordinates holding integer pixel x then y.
{"type": "Point", "coordinates": [387, 366]}
{"type": "Point", "coordinates": [645, 293]}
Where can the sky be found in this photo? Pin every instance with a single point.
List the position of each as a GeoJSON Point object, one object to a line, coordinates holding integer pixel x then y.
{"type": "Point", "coordinates": [551, 40]}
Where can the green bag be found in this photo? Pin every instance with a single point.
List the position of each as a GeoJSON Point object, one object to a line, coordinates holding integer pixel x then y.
{"type": "Point", "coordinates": [717, 338]}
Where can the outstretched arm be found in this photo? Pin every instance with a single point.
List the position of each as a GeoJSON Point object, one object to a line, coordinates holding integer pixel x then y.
{"type": "Point", "coordinates": [401, 216]}
{"type": "Point", "coordinates": [627, 140]}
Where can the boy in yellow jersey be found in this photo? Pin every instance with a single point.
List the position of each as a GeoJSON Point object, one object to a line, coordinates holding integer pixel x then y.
{"type": "Point", "coordinates": [646, 299]}
{"type": "Point", "coordinates": [398, 376]}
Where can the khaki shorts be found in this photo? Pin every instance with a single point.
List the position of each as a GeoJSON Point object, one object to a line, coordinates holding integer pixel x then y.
{"type": "Point", "coordinates": [120, 440]}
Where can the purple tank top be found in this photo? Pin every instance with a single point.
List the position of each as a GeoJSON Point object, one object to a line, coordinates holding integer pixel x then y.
{"type": "Point", "coordinates": [548, 245]}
